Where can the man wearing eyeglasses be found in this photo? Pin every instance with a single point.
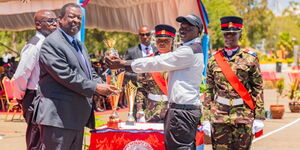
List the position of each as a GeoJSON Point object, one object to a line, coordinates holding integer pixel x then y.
{"type": "Point", "coordinates": [185, 67]}
{"type": "Point", "coordinates": [27, 74]}
{"type": "Point", "coordinates": [144, 49]}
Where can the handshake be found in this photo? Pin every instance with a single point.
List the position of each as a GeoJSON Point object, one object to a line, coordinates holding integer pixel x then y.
{"type": "Point", "coordinates": [114, 62]}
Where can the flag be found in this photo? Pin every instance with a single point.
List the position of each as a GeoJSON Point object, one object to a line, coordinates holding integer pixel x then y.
{"type": "Point", "coordinates": [81, 34]}
{"type": "Point", "coordinates": [205, 38]}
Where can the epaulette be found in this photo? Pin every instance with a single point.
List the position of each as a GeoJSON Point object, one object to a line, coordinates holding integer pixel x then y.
{"type": "Point", "coordinates": [34, 40]}
{"type": "Point", "coordinates": [250, 52]}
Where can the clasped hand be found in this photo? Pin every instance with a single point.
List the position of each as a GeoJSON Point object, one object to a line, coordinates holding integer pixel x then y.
{"type": "Point", "coordinates": [106, 89]}
{"type": "Point", "coordinates": [114, 62]}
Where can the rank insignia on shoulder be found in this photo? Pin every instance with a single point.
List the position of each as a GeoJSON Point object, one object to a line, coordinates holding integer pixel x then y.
{"type": "Point", "coordinates": [250, 52]}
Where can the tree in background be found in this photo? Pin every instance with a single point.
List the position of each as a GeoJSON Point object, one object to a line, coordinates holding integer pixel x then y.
{"type": "Point", "coordinates": [285, 43]}
{"type": "Point", "coordinates": [14, 40]}
{"type": "Point", "coordinates": [257, 19]}
{"type": "Point", "coordinates": [217, 9]}
{"type": "Point", "coordinates": [95, 45]}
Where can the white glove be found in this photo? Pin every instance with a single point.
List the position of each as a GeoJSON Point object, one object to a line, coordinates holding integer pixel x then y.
{"type": "Point", "coordinates": [142, 119]}
{"type": "Point", "coordinates": [140, 115]}
{"type": "Point", "coordinates": [207, 128]}
{"type": "Point", "coordinates": [257, 126]}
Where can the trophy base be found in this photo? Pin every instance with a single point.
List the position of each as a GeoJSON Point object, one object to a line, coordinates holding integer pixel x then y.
{"type": "Point", "coordinates": [113, 124]}
{"type": "Point", "coordinates": [130, 123]}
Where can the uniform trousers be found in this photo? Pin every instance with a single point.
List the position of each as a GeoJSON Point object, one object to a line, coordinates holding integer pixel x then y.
{"type": "Point", "coordinates": [231, 137]}
{"type": "Point", "coordinates": [32, 131]}
{"type": "Point", "coordinates": [180, 127]}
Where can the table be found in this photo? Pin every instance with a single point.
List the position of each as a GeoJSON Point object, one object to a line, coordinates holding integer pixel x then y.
{"type": "Point", "coordinates": [141, 136]}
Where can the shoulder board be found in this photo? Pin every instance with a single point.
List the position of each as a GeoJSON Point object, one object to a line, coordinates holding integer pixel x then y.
{"type": "Point", "coordinates": [250, 52]}
{"type": "Point", "coordinates": [34, 40]}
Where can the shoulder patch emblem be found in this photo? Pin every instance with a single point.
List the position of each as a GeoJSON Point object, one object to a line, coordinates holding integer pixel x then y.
{"type": "Point", "coordinates": [250, 52]}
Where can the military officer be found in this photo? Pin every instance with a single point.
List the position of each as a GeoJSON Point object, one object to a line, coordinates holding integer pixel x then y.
{"type": "Point", "coordinates": [155, 83]}
{"type": "Point", "coordinates": [231, 119]}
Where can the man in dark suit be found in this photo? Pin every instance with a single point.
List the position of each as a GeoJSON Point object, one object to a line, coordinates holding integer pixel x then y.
{"type": "Point", "coordinates": [144, 49]}
{"type": "Point", "coordinates": [67, 82]}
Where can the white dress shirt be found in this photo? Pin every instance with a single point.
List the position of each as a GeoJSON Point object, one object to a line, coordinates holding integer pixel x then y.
{"type": "Point", "coordinates": [144, 51]}
{"type": "Point", "coordinates": [185, 73]}
{"type": "Point", "coordinates": [28, 71]}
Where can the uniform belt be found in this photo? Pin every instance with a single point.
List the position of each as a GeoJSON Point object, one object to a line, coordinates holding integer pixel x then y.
{"type": "Point", "coordinates": [158, 98]}
{"type": "Point", "coordinates": [230, 102]}
{"type": "Point", "coordinates": [184, 106]}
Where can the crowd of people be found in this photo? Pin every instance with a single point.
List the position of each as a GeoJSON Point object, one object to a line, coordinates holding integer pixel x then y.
{"type": "Point", "coordinates": [59, 87]}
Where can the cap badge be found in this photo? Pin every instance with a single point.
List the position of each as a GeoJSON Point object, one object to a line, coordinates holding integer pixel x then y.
{"type": "Point", "coordinates": [163, 32]}
{"type": "Point", "coordinates": [230, 24]}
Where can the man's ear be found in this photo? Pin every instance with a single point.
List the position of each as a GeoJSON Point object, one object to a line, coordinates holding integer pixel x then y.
{"type": "Point", "coordinates": [38, 25]}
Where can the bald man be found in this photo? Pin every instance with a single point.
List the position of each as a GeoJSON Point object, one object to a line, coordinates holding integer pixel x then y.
{"type": "Point", "coordinates": [144, 49]}
{"type": "Point", "coordinates": [27, 74]}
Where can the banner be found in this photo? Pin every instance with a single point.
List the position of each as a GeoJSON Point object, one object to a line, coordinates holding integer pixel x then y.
{"type": "Point", "coordinates": [111, 139]}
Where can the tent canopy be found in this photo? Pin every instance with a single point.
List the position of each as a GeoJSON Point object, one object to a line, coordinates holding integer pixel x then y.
{"type": "Point", "coordinates": [108, 15]}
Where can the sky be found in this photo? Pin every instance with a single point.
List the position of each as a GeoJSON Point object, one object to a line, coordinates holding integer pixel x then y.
{"type": "Point", "coordinates": [278, 7]}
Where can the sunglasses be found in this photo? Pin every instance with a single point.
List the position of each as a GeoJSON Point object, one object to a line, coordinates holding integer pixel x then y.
{"type": "Point", "coordinates": [143, 34]}
{"type": "Point", "coordinates": [52, 20]}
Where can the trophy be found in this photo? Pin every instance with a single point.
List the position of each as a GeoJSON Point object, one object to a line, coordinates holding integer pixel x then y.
{"type": "Point", "coordinates": [130, 93]}
{"type": "Point", "coordinates": [117, 81]}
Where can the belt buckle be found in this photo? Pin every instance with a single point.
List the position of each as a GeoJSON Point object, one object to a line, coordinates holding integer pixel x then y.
{"type": "Point", "coordinates": [230, 102]}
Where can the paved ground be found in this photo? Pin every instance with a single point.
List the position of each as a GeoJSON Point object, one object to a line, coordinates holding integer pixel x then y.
{"type": "Point", "coordinates": [12, 134]}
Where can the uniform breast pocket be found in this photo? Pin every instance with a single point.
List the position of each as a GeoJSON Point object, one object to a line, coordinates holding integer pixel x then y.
{"type": "Point", "coordinates": [218, 74]}
{"type": "Point", "coordinates": [242, 71]}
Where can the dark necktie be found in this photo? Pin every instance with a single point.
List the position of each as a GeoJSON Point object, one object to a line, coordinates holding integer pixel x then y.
{"type": "Point", "coordinates": [147, 51]}
{"type": "Point", "coordinates": [79, 52]}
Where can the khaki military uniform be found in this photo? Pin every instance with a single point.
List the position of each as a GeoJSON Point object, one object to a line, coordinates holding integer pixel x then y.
{"type": "Point", "coordinates": [154, 110]}
{"type": "Point", "coordinates": [231, 125]}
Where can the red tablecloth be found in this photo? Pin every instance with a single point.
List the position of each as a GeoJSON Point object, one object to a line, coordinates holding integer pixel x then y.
{"type": "Point", "coordinates": [148, 136]}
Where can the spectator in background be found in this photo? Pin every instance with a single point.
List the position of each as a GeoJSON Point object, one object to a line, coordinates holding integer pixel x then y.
{"type": "Point", "coordinates": [6, 57]}
{"type": "Point", "coordinates": [144, 49]}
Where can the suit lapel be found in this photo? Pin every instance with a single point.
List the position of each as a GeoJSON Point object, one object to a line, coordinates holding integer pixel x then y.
{"type": "Point", "coordinates": [73, 50]}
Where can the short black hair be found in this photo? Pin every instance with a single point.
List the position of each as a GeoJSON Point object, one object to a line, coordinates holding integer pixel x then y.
{"type": "Point", "coordinates": [63, 9]}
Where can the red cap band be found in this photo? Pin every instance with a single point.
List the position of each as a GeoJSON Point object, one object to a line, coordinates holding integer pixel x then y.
{"type": "Point", "coordinates": [164, 32]}
{"type": "Point", "coordinates": [231, 25]}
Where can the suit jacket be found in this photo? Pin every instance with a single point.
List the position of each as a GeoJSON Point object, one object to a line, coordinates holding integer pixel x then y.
{"type": "Point", "coordinates": [135, 53]}
{"type": "Point", "coordinates": [65, 94]}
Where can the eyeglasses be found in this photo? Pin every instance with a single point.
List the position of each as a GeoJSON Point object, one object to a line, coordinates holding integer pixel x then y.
{"type": "Point", "coordinates": [143, 34]}
{"type": "Point", "coordinates": [52, 20]}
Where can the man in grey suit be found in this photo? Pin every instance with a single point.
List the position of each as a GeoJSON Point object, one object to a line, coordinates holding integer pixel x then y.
{"type": "Point", "coordinates": [67, 82]}
{"type": "Point", "coordinates": [144, 49]}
